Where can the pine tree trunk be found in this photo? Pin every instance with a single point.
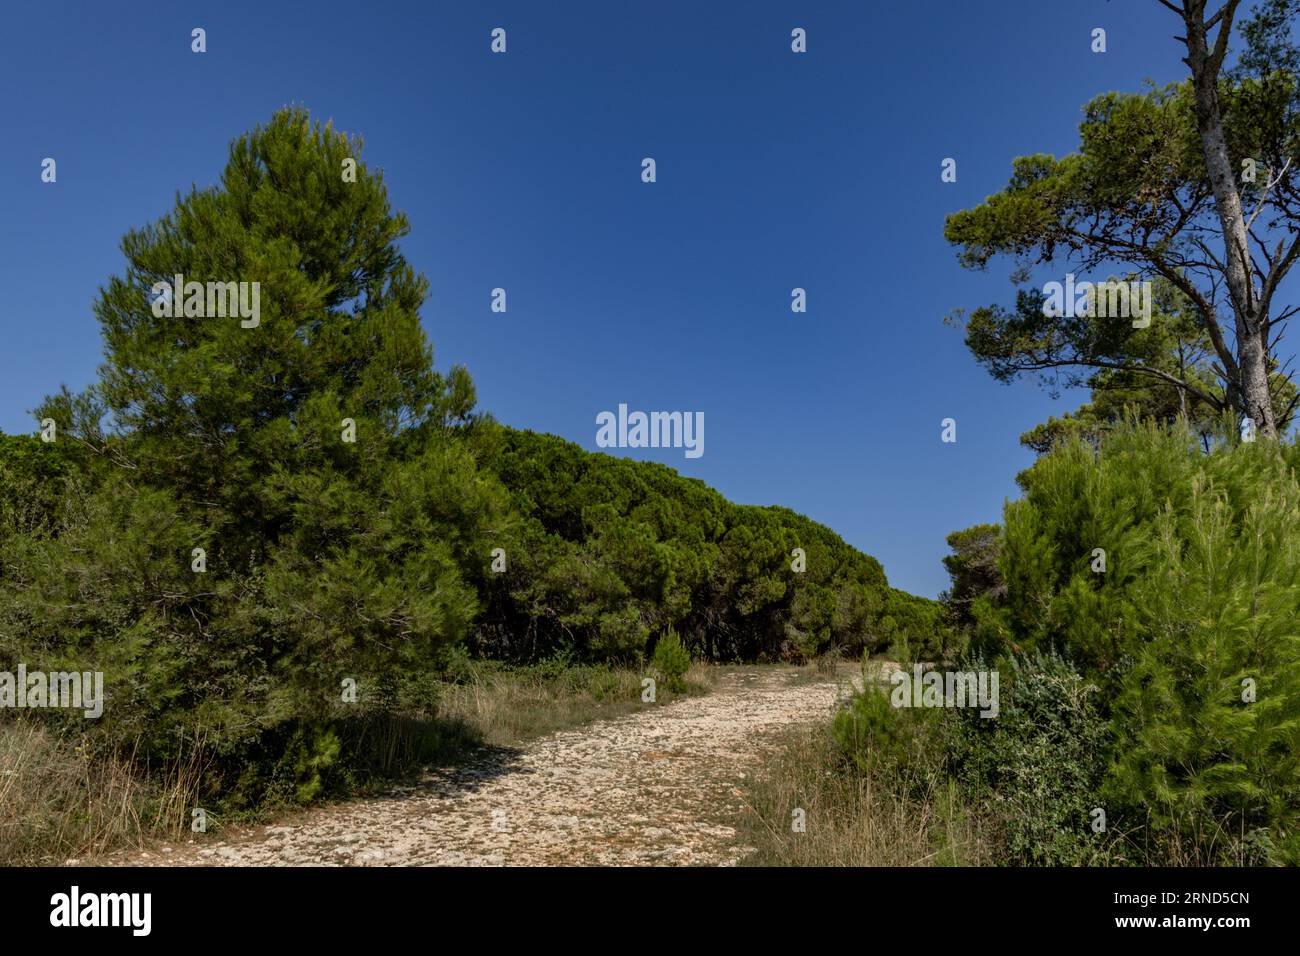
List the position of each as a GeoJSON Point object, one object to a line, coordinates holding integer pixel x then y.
{"type": "Point", "coordinates": [1249, 394]}
{"type": "Point", "coordinates": [1256, 402]}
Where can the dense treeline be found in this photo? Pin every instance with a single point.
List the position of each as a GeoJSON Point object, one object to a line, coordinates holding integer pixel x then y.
{"type": "Point", "coordinates": [600, 556]}
{"type": "Point", "coordinates": [611, 551]}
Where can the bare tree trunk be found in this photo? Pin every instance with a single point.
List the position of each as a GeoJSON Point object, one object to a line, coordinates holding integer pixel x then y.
{"type": "Point", "coordinates": [1250, 393]}
{"type": "Point", "coordinates": [1255, 396]}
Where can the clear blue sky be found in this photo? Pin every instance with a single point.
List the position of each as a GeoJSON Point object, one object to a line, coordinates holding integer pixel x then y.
{"type": "Point", "coordinates": [522, 171]}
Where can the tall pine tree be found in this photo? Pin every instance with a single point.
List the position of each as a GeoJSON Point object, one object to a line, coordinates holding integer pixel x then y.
{"type": "Point", "coordinates": [324, 558]}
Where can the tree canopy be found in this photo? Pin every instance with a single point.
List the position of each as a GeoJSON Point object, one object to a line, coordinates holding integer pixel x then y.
{"type": "Point", "coordinates": [1189, 186]}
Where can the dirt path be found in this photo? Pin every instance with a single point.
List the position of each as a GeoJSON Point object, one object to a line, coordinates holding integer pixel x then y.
{"type": "Point", "coordinates": [654, 787]}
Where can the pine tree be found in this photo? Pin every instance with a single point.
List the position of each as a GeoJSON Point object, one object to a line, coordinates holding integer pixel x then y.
{"type": "Point", "coordinates": [311, 454]}
{"type": "Point", "coordinates": [1188, 627]}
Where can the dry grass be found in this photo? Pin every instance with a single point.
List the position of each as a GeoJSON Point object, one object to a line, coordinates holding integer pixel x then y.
{"type": "Point", "coordinates": [57, 801]}
{"type": "Point", "coordinates": [850, 818]}
{"type": "Point", "coordinates": [506, 706]}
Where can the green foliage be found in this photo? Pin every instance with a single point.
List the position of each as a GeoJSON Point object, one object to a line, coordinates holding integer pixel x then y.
{"type": "Point", "coordinates": [1176, 347]}
{"type": "Point", "coordinates": [1034, 771]}
{"type": "Point", "coordinates": [914, 629]}
{"type": "Point", "coordinates": [315, 753]}
{"type": "Point", "coordinates": [609, 550]}
{"type": "Point", "coordinates": [1135, 195]}
{"type": "Point", "coordinates": [1200, 594]}
{"type": "Point", "coordinates": [898, 745]}
{"type": "Point", "coordinates": [1037, 767]}
{"type": "Point", "coordinates": [671, 660]}
{"type": "Point", "coordinates": [325, 560]}
{"type": "Point", "coordinates": [32, 476]}
{"type": "Point", "coordinates": [976, 580]}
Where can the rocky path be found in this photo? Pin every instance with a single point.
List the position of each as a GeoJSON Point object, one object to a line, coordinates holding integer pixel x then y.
{"type": "Point", "coordinates": [653, 787]}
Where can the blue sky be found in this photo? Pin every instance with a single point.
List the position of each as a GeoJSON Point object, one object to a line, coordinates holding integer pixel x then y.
{"type": "Point", "coordinates": [522, 171]}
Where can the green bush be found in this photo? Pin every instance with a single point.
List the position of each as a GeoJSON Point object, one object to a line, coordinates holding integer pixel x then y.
{"type": "Point", "coordinates": [672, 660]}
{"type": "Point", "coordinates": [1033, 772]}
{"type": "Point", "coordinates": [1195, 611]}
{"type": "Point", "coordinates": [1037, 767]}
{"type": "Point", "coordinates": [900, 747]}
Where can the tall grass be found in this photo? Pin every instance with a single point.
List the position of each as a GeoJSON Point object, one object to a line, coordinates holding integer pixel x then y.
{"type": "Point", "coordinates": [853, 816]}
{"type": "Point", "coordinates": [507, 706]}
{"type": "Point", "coordinates": [59, 801]}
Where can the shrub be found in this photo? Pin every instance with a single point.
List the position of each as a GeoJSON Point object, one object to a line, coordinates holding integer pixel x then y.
{"type": "Point", "coordinates": [1036, 768]}
{"type": "Point", "coordinates": [672, 660]}
{"type": "Point", "coordinates": [1194, 613]}
{"type": "Point", "coordinates": [899, 746]}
